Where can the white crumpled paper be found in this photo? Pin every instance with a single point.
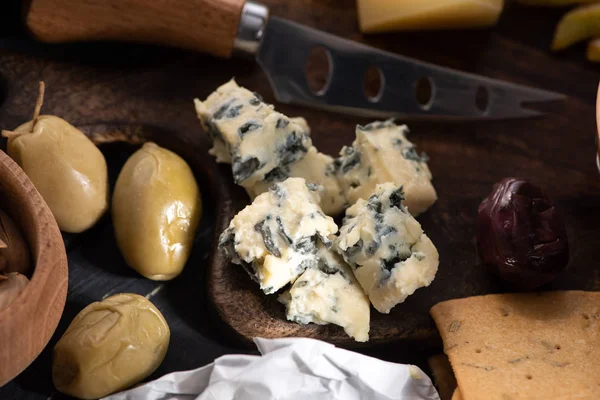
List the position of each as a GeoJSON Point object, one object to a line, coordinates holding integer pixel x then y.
{"type": "Point", "coordinates": [291, 369]}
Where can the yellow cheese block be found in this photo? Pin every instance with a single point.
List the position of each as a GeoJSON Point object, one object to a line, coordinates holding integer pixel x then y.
{"type": "Point", "coordinates": [553, 3]}
{"type": "Point", "coordinates": [593, 50]}
{"type": "Point", "coordinates": [405, 15]}
{"type": "Point", "coordinates": [577, 25]}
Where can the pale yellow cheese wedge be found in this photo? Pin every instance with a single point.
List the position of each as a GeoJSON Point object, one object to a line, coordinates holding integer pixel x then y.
{"type": "Point", "coordinates": [579, 24]}
{"type": "Point", "coordinates": [395, 15]}
{"type": "Point", "coordinates": [593, 50]}
{"type": "Point", "coordinates": [553, 3]}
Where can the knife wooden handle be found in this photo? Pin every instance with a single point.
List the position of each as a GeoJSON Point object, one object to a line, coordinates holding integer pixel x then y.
{"type": "Point", "coordinates": [209, 26]}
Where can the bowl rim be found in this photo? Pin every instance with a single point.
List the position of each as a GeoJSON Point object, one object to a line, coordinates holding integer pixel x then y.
{"type": "Point", "coordinates": [50, 272]}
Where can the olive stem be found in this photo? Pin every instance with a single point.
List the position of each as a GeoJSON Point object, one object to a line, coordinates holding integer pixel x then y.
{"type": "Point", "coordinates": [36, 113]}
{"type": "Point", "coordinates": [38, 105]}
{"type": "Point", "coordinates": [8, 134]}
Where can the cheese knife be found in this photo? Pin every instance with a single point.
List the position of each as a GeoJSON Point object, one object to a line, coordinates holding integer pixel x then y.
{"type": "Point", "coordinates": [237, 27]}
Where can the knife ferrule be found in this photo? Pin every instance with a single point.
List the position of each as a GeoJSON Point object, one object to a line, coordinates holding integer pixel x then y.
{"type": "Point", "coordinates": [253, 21]}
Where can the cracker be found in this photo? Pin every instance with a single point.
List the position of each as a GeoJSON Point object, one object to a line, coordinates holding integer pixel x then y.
{"type": "Point", "coordinates": [443, 377]}
{"type": "Point", "coordinates": [457, 395]}
{"type": "Point", "coordinates": [523, 346]}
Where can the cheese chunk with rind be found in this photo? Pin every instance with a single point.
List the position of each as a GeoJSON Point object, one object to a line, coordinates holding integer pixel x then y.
{"type": "Point", "coordinates": [250, 134]}
{"type": "Point", "coordinates": [381, 153]}
{"type": "Point", "coordinates": [386, 247]}
{"type": "Point", "coordinates": [275, 238]}
{"type": "Point", "coordinates": [315, 168]}
{"type": "Point", "coordinates": [329, 293]}
{"type": "Point", "coordinates": [407, 15]}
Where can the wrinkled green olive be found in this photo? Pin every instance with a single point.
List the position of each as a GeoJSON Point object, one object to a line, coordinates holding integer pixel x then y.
{"type": "Point", "coordinates": [14, 252]}
{"type": "Point", "coordinates": [156, 207]}
{"type": "Point", "coordinates": [65, 167]}
{"type": "Point", "coordinates": [11, 286]}
{"type": "Point", "coordinates": [109, 346]}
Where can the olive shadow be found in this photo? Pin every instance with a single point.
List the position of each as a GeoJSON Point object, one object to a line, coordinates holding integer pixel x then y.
{"type": "Point", "coordinates": [37, 378]}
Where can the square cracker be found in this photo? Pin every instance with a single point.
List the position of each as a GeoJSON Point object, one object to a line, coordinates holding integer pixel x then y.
{"type": "Point", "coordinates": [523, 346]}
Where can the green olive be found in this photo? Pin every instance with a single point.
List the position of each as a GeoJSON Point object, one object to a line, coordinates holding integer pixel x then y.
{"type": "Point", "coordinates": [156, 207]}
{"type": "Point", "coordinates": [109, 346]}
{"type": "Point", "coordinates": [65, 167]}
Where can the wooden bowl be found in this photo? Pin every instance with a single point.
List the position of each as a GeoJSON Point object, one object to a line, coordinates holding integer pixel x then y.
{"type": "Point", "coordinates": [28, 323]}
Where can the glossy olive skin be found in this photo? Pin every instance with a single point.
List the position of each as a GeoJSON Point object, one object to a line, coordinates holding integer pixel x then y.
{"type": "Point", "coordinates": [156, 208]}
{"type": "Point", "coordinates": [109, 346]}
{"type": "Point", "coordinates": [66, 168]}
{"type": "Point", "coordinates": [520, 234]}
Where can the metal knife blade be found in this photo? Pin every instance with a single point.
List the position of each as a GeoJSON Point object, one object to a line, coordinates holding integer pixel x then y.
{"type": "Point", "coordinates": [282, 49]}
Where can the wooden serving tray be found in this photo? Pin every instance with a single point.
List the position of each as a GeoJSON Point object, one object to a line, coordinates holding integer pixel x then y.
{"type": "Point", "coordinates": [128, 92]}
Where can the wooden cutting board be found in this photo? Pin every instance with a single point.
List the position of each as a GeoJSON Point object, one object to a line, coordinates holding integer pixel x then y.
{"type": "Point", "coordinates": [557, 152]}
{"type": "Point", "coordinates": [214, 308]}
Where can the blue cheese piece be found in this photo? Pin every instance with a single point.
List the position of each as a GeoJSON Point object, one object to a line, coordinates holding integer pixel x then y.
{"type": "Point", "coordinates": [381, 153]}
{"type": "Point", "coordinates": [302, 123]}
{"type": "Point", "coordinates": [390, 255]}
{"type": "Point", "coordinates": [275, 238]}
{"type": "Point", "coordinates": [329, 293]}
{"type": "Point", "coordinates": [250, 134]}
{"type": "Point", "coordinates": [315, 168]}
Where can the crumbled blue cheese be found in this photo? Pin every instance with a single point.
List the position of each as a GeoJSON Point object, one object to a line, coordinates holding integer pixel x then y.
{"type": "Point", "coordinates": [316, 168]}
{"type": "Point", "coordinates": [275, 238]}
{"type": "Point", "coordinates": [302, 124]}
{"type": "Point", "coordinates": [250, 134]}
{"type": "Point", "coordinates": [329, 293]}
{"type": "Point", "coordinates": [381, 153]}
{"type": "Point", "coordinates": [390, 255]}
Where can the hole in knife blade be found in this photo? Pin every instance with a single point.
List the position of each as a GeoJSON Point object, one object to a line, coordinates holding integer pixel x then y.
{"type": "Point", "coordinates": [482, 99]}
{"type": "Point", "coordinates": [319, 67]}
{"type": "Point", "coordinates": [373, 84]}
{"type": "Point", "coordinates": [425, 92]}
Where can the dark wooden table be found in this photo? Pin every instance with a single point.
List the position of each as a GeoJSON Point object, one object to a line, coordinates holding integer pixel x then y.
{"type": "Point", "coordinates": [97, 84]}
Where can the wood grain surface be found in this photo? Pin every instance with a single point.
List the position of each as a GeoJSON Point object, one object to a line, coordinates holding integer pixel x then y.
{"type": "Point", "coordinates": [203, 25]}
{"type": "Point", "coordinates": [28, 323]}
{"type": "Point", "coordinates": [151, 88]}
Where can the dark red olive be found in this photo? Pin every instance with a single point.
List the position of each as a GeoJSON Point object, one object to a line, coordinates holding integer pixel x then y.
{"type": "Point", "coordinates": [521, 235]}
